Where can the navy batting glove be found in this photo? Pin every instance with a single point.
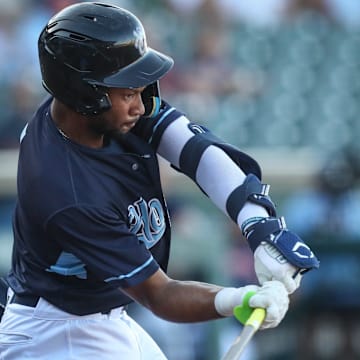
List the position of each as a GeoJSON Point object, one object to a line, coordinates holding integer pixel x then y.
{"type": "Point", "coordinates": [273, 231]}
{"type": "Point", "coordinates": [279, 254]}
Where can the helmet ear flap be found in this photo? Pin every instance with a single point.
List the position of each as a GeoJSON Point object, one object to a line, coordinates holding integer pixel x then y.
{"type": "Point", "coordinates": [93, 100]}
{"type": "Point", "coordinates": [78, 94]}
{"type": "Point", "coordinates": [151, 99]}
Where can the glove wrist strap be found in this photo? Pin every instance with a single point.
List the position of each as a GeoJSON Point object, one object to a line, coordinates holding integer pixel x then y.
{"type": "Point", "coordinates": [292, 247]}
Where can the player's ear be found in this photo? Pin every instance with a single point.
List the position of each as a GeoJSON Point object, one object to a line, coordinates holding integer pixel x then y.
{"type": "Point", "coordinates": [151, 99]}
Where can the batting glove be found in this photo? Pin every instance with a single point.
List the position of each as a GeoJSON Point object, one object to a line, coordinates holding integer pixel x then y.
{"type": "Point", "coordinates": [271, 296]}
{"type": "Point", "coordinates": [279, 254]}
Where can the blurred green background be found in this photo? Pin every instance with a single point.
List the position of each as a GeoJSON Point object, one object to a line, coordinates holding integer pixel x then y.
{"type": "Point", "coordinates": [280, 79]}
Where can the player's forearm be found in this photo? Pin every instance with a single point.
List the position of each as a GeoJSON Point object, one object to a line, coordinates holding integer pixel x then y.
{"type": "Point", "coordinates": [173, 300]}
{"type": "Point", "coordinates": [186, 301]}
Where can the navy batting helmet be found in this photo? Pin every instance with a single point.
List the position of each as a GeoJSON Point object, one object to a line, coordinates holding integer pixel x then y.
{"type": "Point", "coordinates": [88, 47]}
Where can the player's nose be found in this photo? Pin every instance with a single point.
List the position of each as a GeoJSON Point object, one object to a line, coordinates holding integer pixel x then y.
{"type": "Point", "coordinates": [138, 106]}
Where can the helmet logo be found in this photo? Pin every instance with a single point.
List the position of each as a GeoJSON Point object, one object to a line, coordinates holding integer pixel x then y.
{"type": "Point", "coordinates": [140, 41]}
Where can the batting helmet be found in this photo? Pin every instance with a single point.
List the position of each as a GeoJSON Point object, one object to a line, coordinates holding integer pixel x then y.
{"type": "Point", "coordinates": [88, 47]}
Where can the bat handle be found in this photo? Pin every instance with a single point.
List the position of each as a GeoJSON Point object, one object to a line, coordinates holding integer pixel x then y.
{"type": "Point", "coordinates": [256, 318]}
{"type": "Point", "coordinates": [248, 315]}
{"type": "Point", "coordinates": [251, 325]}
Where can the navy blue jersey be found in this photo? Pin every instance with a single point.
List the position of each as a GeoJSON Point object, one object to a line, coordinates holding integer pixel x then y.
{"type": "Point", "coordinates": [87, 221]}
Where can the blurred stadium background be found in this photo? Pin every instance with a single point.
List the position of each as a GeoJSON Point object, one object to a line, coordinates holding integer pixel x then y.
{"type": "Point", "coordinates": [281, 80]}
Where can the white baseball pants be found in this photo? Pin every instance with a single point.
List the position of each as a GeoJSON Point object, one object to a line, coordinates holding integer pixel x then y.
{"type": "Point", "coordinates": [46, 332]}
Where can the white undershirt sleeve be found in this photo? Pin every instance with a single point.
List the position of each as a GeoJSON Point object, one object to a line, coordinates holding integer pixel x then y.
{"type": "Point", "coordinates": [217, 174]}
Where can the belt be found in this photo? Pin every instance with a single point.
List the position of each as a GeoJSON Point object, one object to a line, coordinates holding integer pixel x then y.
{"type": "Point", "coordinates": [27, 300]}
{"type": "Point", "coordinates": [32, 300]}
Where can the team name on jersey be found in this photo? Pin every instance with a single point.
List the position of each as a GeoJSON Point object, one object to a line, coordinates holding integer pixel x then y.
{"type": "Point", "coordinates": [147, 221]}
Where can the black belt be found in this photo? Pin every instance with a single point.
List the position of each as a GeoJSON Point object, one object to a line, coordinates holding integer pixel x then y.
{"type": "Point", "coordinates": [27, 300]}
{"type": "Point", "coordinates": [32, 300]}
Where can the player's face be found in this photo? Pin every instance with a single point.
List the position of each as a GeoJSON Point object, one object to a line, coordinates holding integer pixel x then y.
{"type": "Point", "coordinates": [126, 109]}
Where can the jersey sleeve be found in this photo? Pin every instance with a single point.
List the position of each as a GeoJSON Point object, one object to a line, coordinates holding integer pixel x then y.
{"type": "Point", "coordinates": [97, 243]}
{"type": "Point", "coordinates": [218, 168]}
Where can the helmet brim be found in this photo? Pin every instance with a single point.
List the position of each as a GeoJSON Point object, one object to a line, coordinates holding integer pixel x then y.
{"type": "Point", "coordinates": [149, 68]}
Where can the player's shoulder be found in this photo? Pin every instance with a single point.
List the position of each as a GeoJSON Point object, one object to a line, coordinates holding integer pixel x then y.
{"type": "Point", "coordinates": [43, 173]}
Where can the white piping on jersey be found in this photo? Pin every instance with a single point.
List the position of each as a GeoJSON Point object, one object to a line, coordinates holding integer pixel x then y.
{"type": "Point", "coordinates": [160, 121]}
{"type": "Point", "coordinates": [23, 132]}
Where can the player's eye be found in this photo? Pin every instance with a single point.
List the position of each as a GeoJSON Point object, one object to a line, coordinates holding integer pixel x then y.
{"type": "Point", "coordinates": [129, 96]}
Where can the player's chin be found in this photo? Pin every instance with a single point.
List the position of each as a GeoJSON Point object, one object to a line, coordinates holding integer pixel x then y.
{"type": "Point", "coordinates": [119, 130]}
{"type": "Point", "coordinates": [125, 128]}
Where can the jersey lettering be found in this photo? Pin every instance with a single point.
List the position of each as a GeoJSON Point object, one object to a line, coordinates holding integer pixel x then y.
{"type": "Point", "coordinates": [147, 221]}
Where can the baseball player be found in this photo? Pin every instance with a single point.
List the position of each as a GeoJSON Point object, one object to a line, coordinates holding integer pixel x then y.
{"type": "Point", "coordinates": [91, 228]}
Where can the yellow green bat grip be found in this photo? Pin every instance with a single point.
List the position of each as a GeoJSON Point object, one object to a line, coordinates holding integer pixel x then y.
{"type": "Point", "coordinates": [256, 318]}
{"type": "Point", "coordinates": [247, 315]}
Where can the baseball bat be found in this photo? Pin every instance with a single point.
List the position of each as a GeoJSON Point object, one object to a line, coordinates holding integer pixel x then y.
{"type": "Point", "coordinates": [251, 326]}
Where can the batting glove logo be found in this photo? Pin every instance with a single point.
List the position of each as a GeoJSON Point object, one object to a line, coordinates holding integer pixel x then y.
{"type": "Point", "coordinates": [302, 250]}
